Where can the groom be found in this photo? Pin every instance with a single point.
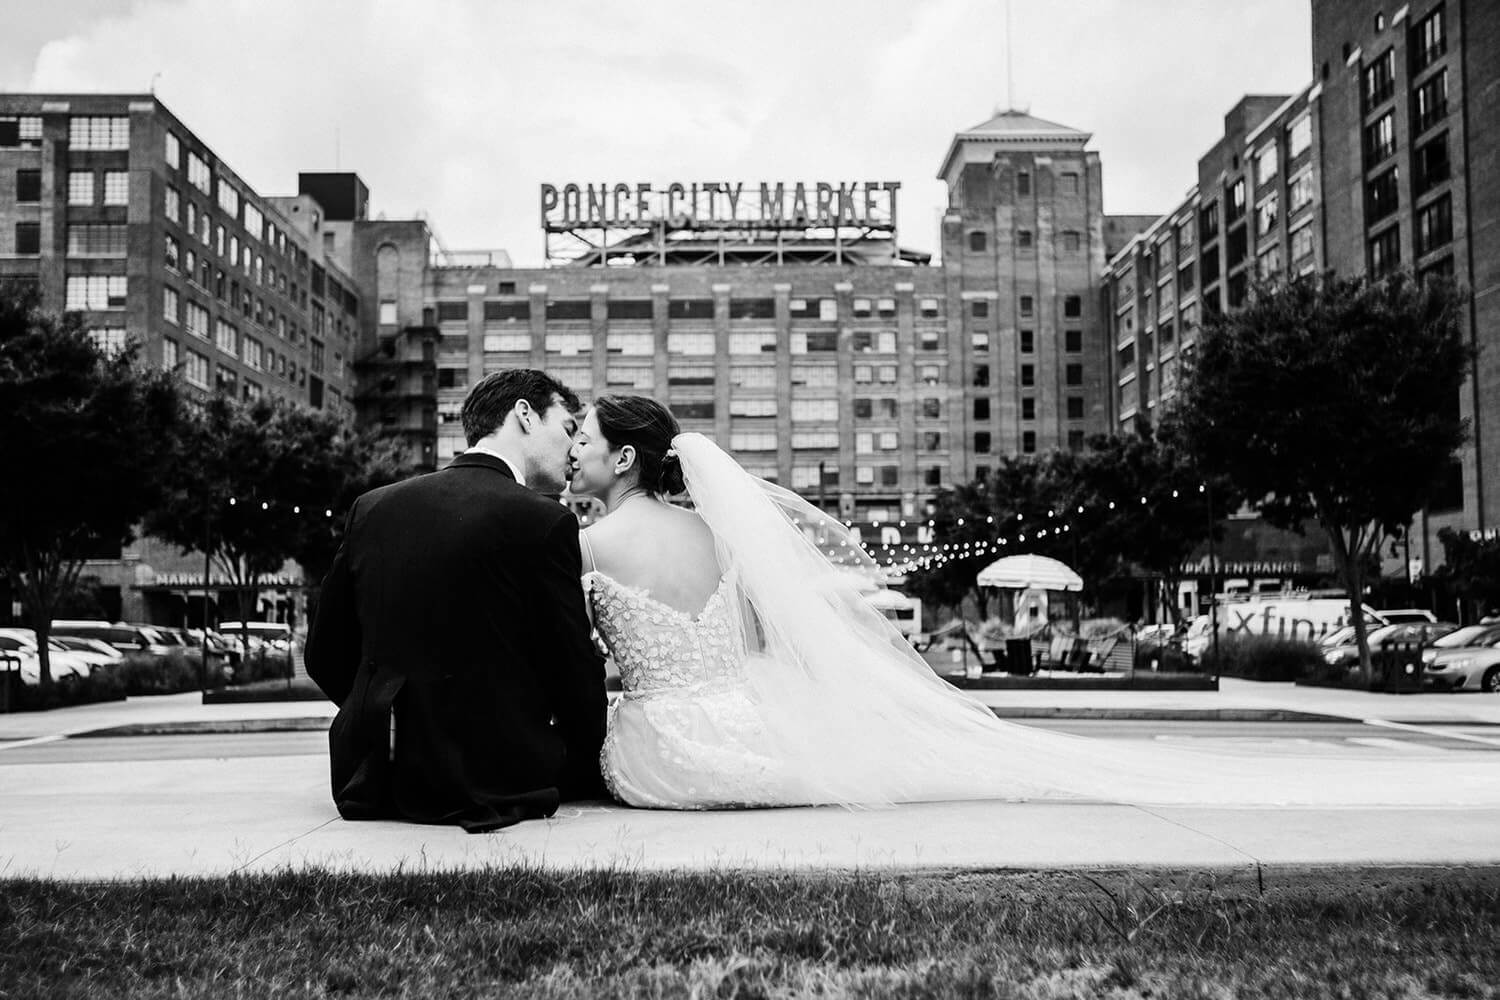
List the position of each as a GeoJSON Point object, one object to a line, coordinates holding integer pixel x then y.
{"type": "Point", "coordinates": [452, 634]}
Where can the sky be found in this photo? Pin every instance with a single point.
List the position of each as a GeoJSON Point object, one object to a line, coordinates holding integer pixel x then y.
{"type": "Point", "coordinates": [457, 111]}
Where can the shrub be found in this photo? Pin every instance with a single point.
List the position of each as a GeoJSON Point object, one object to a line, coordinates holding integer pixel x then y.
{"type": "Point", "coordinates": [172, 673]}
{"type": "Point", "coordinates": [1164, 657]}
{"type": "Point", "coordinates": [1263, 658]}
{"type": "Point", "coordinates": [103, 684]}
{"type": "Point", "coordinates": [261, 665]}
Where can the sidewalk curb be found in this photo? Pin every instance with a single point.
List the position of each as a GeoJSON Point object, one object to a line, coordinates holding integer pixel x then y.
{"type": "Point", "coordinates": [209, 727]}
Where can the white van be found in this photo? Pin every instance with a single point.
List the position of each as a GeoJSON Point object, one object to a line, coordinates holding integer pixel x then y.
{"type": "Point", "coordinates": [1289, 616]}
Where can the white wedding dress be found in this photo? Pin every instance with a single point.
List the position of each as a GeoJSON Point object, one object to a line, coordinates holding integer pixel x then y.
{"type": "Point", "coordinates": [788, 688]}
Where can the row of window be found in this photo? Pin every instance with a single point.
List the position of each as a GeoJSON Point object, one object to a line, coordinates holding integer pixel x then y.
{"type": "Point", "coordinates": [1026, 376]}
{"type": "Point", "coordinates": [582, 310]}
{"type": "Point", "coordinates": [1071, 240]}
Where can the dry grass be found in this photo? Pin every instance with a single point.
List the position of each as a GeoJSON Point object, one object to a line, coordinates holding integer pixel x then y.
{"type": "Point", "coordinates": [525, 932]}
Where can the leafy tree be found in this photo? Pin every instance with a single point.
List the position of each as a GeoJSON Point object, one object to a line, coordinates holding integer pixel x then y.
{"type": "Point", "coordinates": [85, 438]}
{"type": "Point", "coordinates": [269, 481]}
{"type": "Point", "coordinates": [1331, 398]}
{"type": "Point", "coordinates": [1471, 568]}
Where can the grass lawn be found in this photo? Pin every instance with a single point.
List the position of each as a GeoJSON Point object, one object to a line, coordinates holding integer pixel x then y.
{"type": "Point", "coordinates": [1418, 933]}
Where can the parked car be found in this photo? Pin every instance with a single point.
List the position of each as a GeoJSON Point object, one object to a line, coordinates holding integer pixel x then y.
{"type": "Point", "coordinates": [1403, 616]}
{"type": "Point", "coordinates": [125, 637]}
{"type": "Point", "coordinates": [1466, 659]}
{"type": "Point", "coordinates": [20, 644]}
{"type": "Point", "coordinates": [95, 651]}
{"type": "Point", "coordinates": [1347, 654]}
{"type": "Point", "coordinates": [270, 638]}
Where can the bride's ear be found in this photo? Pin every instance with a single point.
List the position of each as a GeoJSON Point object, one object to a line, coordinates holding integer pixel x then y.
{"type": "Point", "coordinates": [626, 460]}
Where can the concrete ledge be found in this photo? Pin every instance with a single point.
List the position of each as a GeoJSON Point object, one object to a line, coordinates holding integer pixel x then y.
{"type": "Point", "coordinates": [1143, 681]}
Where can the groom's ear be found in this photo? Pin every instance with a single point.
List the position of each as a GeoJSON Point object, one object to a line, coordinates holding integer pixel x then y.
{"type": "Point", "coordinates": [524, 414]}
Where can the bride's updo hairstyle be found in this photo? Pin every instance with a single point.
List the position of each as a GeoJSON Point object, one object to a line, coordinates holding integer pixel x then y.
{"type": "Point", "coordinates": [649, 428]}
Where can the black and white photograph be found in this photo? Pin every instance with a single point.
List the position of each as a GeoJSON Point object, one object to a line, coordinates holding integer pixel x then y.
{"type": "Point", "coordinates": [873, 499]}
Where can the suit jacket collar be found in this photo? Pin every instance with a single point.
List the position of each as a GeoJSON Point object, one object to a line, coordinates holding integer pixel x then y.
{"type": "Point", "coordinates": [479, 459]}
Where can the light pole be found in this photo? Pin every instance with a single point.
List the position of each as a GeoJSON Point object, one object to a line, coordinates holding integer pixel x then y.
{"type": "Point", "coordinates": [1213, 577]}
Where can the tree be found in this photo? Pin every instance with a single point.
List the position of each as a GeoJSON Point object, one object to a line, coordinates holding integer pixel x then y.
{"type": "Point", "coordinates": [1471, 568]}
{"type": "Point", "coordinates": [268, 481]}
{"type": "Point", "coordinates": [1331, 398]}
{"type": "Point", "coordinates": [86, 438]}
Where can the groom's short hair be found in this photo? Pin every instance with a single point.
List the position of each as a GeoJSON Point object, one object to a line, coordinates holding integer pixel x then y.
{"type": "Point", "coordinates": [495, 395]}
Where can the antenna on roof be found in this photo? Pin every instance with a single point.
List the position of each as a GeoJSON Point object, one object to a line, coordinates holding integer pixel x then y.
{"type": "Point", "coordinates": [1009, 61]}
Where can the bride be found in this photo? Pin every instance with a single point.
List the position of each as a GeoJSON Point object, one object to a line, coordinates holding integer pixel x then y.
{"type": "Point", "coordinates": [755, 674]}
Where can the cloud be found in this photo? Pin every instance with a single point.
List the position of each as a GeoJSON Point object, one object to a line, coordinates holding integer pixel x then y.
{"type": "Point", "coordinates": [460, 109]}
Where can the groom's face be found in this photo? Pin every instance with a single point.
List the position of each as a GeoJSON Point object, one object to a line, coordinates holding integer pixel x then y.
{"type": "Point", "coordinates": [550, 441]}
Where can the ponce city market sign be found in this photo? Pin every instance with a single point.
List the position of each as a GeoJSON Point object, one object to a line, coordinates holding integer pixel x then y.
{"type": "Point", "coordinates": [720, 204]}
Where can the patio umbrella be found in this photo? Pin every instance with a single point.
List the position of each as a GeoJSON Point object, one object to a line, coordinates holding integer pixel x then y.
{"type": "Point", "coordinates": [885, 599]}
{"type": "Point", "coordinates": [1029, 572]}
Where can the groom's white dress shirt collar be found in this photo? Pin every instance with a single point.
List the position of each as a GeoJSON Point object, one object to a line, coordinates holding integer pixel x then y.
{"type": "Point", "coordinates": [515, 470]}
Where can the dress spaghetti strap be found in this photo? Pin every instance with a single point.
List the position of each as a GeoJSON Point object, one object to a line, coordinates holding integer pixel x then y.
{"type": "Point", "coordinates": [587, 551]}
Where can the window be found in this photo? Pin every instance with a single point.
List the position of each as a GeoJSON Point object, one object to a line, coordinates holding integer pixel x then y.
{"type": "Point", "coordinates": [877, 341]}
{"type": "Point", "coordinates": [630, 377]}
{"type": "Point", "coordinates": [982, 442]}
{"type": "Point", "coordinates": [255, 225]}
{"type": "Point", "coordinates": [634, 344]}
{"type": "Point", "coordinates": [1073, 306]}
{"type": "Point", "coordinates": [1298, 137]}
{"type": "Point", "coordinates": [862, 308]}
{"type": "Point", "coordinates": [1266, 163]}
{"type": "Point", "coordinates": [99, 133]}
{"type": "Point", "coordinates": [1024, 239]}
{"type": "Point", "coordinates": [1028, 375]}
{"type": "Point", "coordinates": [815, 409]}
{"type": "Point", "coordinates": [168, 353]}
{"type": "Point", "coordinates": [1072, 240]}
{"type": "Point", "coordinates": [932, 408]}
{"type": "Point", "coordinates": [932, 440]}
{"type": "Point", "coordinates": [685, 374]}
{"type": "Point", "coordinates": [979, 309]}
{"type": "Point", "coordinates": [817, 342]}
{"type": "Point", "coordinates": [28, 186]}
{"type": "Point", "coordinates": [1073, 375]}
{"type": "Point", "coordinates": [172, 203]}
{"type": "Point", "coordinates": [80, 187]}
{"type": "Point", "coordinates": [1427, 42]}
{"type": "Point", "coordinates": [1075, 407]}
{"type": "Point", "coordinates": [1380, 79]}
{"type": "Point", "coordinates": [1385, 252]}
{"type": "Point", "coordinates": [569, 344]}
{"type": "Point", "coordinates": [196, 320]}
{"type": "Point", "coordinates": [1434, 225]}
{"type": "Point", "coordinates": [196, 369]}
{"type": "Point", "coordinates": [978, 241]}
{"type": "Point", "coordinates": [1069, 183]}
{"type": "Point", "coordinates": [805, 440]}
{"type": "Point", "coordinates": [569, 309]}
{"type": "Point", "coordinates": [1302, 244]}
{"type": "Point", "coordinates": [981, 375]}
{"type": "Point", "coordinates": [1185, 278]}
{"type": "Point", "coordinates": [23, 132]}
{"type": "Point", "coordinates": [1265, 216]}
{"type": "Point", "coordinates": [505, 312]}
{"type": "Point", "coordinates": [1023, 183]}
{"type": "Point", "coordinates": [885, 308]}
{"type": "Point", "coordinates": [1430, 165]}
{"type": "Point", "coordinates": [452, 312]}
{"type": "Point", "coordinates": [805, 308]}
{"type": "Point", "coordinates": [1073, 341]}
{"type": "Point", "coordinates": [499, 343]}
{"type": "Point", "coordinates": [1028, 442]}
{"type": "Point", "coordinates": [200, 177]}
{"type": "Point", "coordinates": [1238, 247]}
{"type": "Point", "coordinates": [96, 240]}
{"type": "Point", "coordinates": [760, 407]}
{"type": "Point", "coordinates": [252, 354]}
{"type": "Point", "coordinates": [171, 305]}
{"type": "Point", "coordinates": [1237, 200]}
{"type": "Point", "coordinates": [1269, 263]}
{"type": "Point", "coordinates": [172, 151]}
{"type": "Point", "coordinates": [1075, 440]}
{"type": "Point", "coordinates": [1381, 197]}
{"type": "Point", "coordinates": [226, 337]}
{"type": "Point", "coordinates": [752, 441]}
{"type": "Point", "coordinates": [701, 344]}
{"type": "Point", "coordinates": [1380, 139]}
{"type": "Point", "coordinates": [97, 291]}
{"type": "Point", "coordinates": [752, 377]}
{"type": "Point", "coordinates": [693, 409]}
{"type": "Point", "coordinates": [753, 308]}
{"type": "Point", "coordinates": [1028, 407]}
{"type": "Point", "coordinates": [1430, 102]}
{"type": "Point", "coordinates": [1027, 340]}
{"type": "Point", "coordinates": [1208, 222]}
{"type": "Point", "coordinates": [28, 238]}
{"type": "Point", "coordinates": [981, 409]}
{"type": "Point", "coordinates": [229, 200]}
{"type": "Point", "coordinates": [1300, 193]}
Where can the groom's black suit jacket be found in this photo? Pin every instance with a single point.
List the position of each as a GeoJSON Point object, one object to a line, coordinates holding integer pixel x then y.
{"type": "Point", "coordinates": [452, 634]}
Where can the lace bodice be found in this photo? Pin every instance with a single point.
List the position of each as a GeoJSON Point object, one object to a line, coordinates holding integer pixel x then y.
{"type": "Point", "coordinates": [659, 648]}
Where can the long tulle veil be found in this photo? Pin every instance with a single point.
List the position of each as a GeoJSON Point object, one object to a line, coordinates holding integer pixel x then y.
{"type": "Point", "coordinates": [861, 719]}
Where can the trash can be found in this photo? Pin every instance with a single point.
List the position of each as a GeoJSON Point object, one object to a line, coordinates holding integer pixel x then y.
{"type": "Point", "coordinates": [1018, 657]}
{"type": "Point", "coordinates": [10, 681]}
{"type": "Point", "coordinates": [1398, 667]}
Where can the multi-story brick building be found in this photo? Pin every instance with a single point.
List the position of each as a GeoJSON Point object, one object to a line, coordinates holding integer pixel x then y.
{"type": "Point", "coordinates": [113, 207]}
{"type": "Point", "coordinates": [1378, 164]}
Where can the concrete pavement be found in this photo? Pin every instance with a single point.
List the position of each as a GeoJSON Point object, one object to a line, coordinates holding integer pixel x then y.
{"type": "Point", "coordinates": [198, 817]}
